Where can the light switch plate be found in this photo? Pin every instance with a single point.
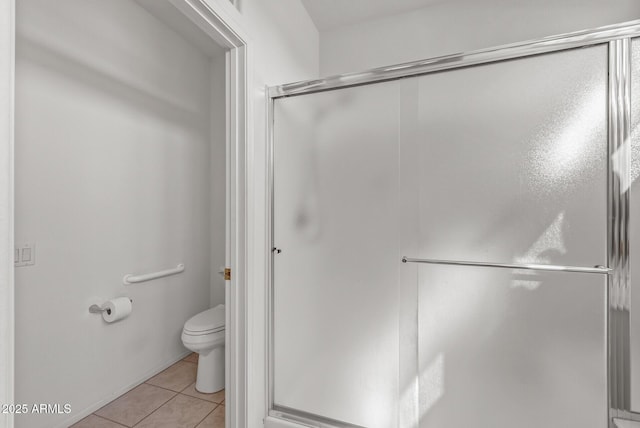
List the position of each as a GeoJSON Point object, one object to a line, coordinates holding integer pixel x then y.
{"type": "Point", "coordinates": [25, 254]}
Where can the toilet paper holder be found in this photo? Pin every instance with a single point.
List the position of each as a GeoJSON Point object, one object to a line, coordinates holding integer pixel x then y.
{"type": "Point", "coordinates": [95, 309]}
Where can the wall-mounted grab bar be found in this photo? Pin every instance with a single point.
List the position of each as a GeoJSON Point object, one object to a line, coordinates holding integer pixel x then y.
{"type": "Point", "coordinates": [132, 279]}
{"type": "Point", "coordinates": [528, 266]}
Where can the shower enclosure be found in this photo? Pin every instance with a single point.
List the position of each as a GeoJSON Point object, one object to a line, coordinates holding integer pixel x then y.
{"type": "Point", "coordinates": [454, 240]}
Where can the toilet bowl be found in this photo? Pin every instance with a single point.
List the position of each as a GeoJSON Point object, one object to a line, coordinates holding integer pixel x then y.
{"type": "Point", "coordinates": [204, 333]}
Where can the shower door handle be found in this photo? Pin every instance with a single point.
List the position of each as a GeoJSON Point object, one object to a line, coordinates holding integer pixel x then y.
{"type": "Point", "coordinates": [528, 266]}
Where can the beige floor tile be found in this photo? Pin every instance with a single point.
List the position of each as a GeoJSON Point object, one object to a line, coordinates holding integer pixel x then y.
{"type": "Point", "coordinates": [214, 420]}
{"type": "Point", "coordinates": [191, 358]}
{"type": "Point", "coordinates": [180, 412]}
{"type": "Point", "coordinates": [177, 377]}
{"type": "Point", "coordinates": [216, 397]}
{"type": "Point", "coordinates": [93, 421]}
{"type": "Point", "coordinates": [136, 404]}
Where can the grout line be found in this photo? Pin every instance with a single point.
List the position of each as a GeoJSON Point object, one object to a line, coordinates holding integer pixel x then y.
{"type": "Point", "coordinates": [175, 393]}
{"type": "Point", "coordinates": [153, 411]}
{"type": "Point", "coordinates": [166, 389]}
{"type": "Point", "coordinates": [202, 399]}
{"type": "Point", "coordinates": [207, 415]}
{"type": "Point", "coordinates": [111, 420]}
{"type": "Point", "coordinates": [198, 423]}
{"type": "Point", "coordinates": [188, 387]}
{"type": "Point", "coordinates": [216, 405]}
{"type": "Point", "coordinates": [140, 421]}
{"type": "Point", "coordinates": [175, 364]}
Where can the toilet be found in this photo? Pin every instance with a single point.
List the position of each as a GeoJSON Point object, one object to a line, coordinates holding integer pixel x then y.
{"type": "Point", "coordinates": [204, 333]}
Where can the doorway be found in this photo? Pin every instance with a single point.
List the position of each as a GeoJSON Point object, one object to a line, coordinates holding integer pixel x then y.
{"type": "Point", "coordinates": [93, 179]}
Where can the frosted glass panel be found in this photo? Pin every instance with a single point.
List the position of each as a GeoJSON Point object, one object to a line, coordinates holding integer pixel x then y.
{"type": "Point", "coordinates": [514, 160]}
{"type": "Point", "coordinates": [634, 226]}
{"type": "Point", "coordinates": [336, 217]}
{"type": "Point", "coordinates": [495, 355]}
{"type": "Point", "coordinates": [505, 162]}
{"type": "Point", "coordinates": [514, 169]}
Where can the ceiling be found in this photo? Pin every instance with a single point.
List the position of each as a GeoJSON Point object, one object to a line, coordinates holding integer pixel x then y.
{"type": "Point", "coordinates": [327, 14]}
{"type": "Point", "coordinates": [167, 13]}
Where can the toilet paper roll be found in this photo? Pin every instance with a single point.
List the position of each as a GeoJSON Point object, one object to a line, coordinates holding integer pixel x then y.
{"type": "Point", "coordinates": [116, 309]}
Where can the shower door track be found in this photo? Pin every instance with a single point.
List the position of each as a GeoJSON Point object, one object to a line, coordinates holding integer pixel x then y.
{"type": "Point", "coordinates": [545, 45]}
{"type": "Point", "coordinates": [618, 38]}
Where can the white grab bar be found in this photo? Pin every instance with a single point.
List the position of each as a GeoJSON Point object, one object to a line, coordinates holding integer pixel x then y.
{"type": "Point", "coordinates": [132, 279]}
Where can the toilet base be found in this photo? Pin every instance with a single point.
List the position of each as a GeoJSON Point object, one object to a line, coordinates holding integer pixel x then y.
{"type": "Point", "coordinates": [210, 377]}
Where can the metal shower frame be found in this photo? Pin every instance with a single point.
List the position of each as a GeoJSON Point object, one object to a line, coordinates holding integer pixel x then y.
{"type": "Point", "coordinates": [618, 294]}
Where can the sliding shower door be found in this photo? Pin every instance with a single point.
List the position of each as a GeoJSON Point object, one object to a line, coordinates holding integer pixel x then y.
{"type": "Point", "coordinates": [336, 219]}
{"type": "Point", "coordinates": [501, 163]}
{"type": "Point", "coordinates": [513, 169]}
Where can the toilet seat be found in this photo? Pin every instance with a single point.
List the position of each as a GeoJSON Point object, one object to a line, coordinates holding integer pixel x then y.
{"type": "Point", "coordinates": [206, 322]}
{"type": "Point", "coordinates": [202, 333]}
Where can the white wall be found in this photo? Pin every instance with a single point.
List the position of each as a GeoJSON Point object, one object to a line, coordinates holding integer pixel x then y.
{"type": "Point", "coordinates": [460, 26]}
{"type": "Point", "coordinates": [112, 177]}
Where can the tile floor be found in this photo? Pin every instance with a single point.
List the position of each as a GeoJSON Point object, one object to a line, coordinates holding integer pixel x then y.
{"type": "Point", "coordinates": [167, 400]}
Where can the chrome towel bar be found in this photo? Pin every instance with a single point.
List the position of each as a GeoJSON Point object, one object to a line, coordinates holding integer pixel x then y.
{"type": "Point", "coordinates": [132, 279]}
{"type": "Point", "coordinates": [528, 266]}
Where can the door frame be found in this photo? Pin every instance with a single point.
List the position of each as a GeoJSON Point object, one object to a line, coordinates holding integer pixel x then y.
{"type": "Point", "coordinates": [7, 79]}
{"type": "Point", "coordinates": [221, 21]}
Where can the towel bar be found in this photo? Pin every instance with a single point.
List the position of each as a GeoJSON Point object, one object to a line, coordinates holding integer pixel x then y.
{"type": "Point", "coordinates": [528, 266]}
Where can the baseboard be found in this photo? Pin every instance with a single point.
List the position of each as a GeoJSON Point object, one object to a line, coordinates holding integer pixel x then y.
{"type": "Point", "coordinates": [146, 376]}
